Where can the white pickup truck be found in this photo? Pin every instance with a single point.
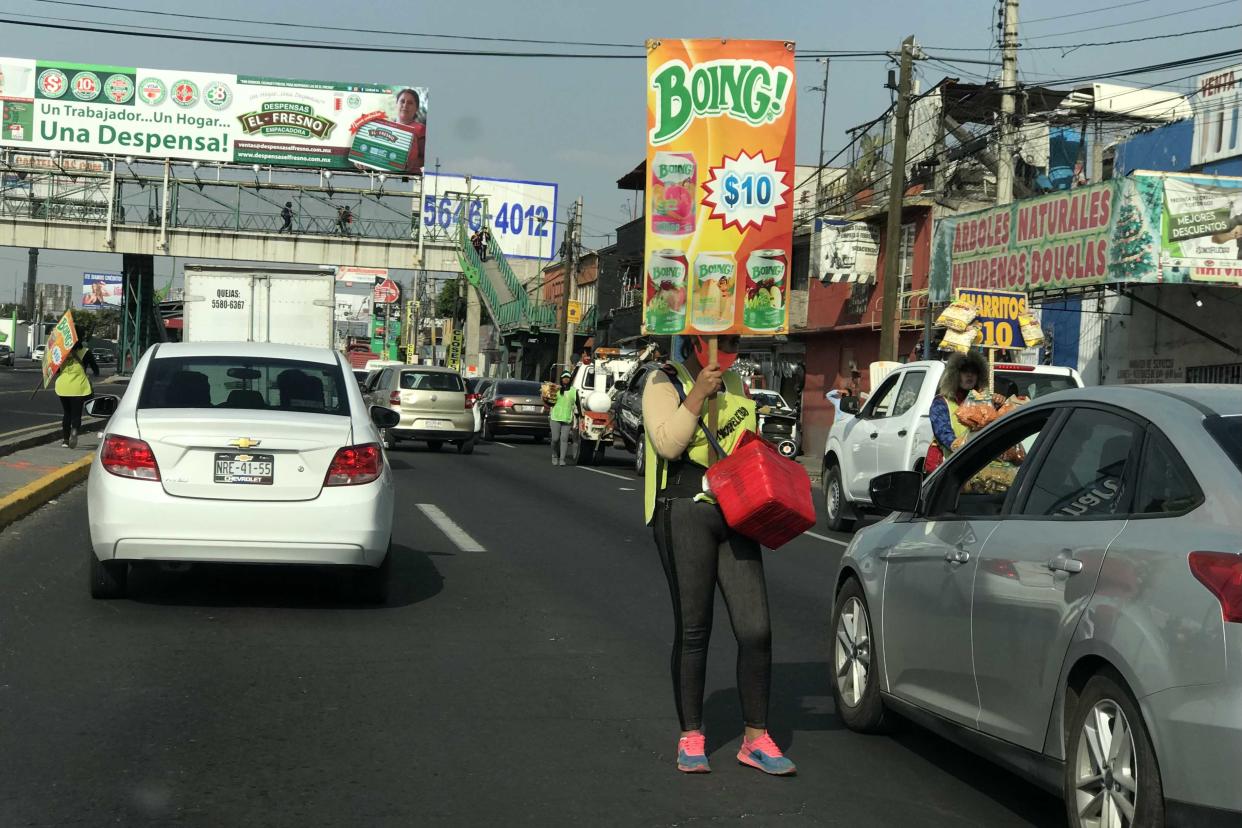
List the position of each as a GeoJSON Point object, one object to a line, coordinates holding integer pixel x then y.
{"type": "Point", "coordinates": [892, 430]}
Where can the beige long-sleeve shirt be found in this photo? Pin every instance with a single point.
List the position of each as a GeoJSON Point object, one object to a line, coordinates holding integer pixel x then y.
{"type": "Point", "coordinates": [669, 425]}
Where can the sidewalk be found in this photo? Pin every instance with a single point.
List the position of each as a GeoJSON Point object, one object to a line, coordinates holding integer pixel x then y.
{"type": "Point", "coordinates": [30, 477]}
{"type": "Point", "coordinates": [814, 466]}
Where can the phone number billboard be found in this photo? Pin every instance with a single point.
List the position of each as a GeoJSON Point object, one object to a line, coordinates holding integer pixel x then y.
{"type": "Point", "coordinates": [196, 116]}
{"type": "Point", "coordinates": [521, 214]}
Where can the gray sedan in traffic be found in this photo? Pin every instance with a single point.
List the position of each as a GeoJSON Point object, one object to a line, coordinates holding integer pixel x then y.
{"type": "Point", "coordinates": [1064, 596]}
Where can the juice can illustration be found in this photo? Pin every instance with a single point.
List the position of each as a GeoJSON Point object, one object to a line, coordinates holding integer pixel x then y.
{"type": "Point", "coordinates": [666, 292]}
{"type": "Point", "coordinates": [764, 309]}
{"type": "Point", "coordinates": [674, 182]}
{"type": "Point", "coordinates": [715, 286]}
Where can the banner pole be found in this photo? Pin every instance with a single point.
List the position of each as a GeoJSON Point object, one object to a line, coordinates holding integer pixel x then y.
{"type": "Point", "coordinates": [713, 410]}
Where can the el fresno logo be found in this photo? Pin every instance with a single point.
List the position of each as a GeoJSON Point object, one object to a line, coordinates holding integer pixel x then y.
{"type": "Point", "coordinates": [283, 118]}
{"type": "Point", "coordinates": [748, 90]}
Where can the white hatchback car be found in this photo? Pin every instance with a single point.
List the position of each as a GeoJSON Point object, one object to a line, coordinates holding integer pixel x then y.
{"type": "Point", "coordinates": [240, 453]}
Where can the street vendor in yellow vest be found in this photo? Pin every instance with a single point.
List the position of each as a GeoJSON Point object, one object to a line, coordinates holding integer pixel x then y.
{"type": "Point", "coordinates": [700, 552]}
{"type": "Point", "coordinates": [963, 374]}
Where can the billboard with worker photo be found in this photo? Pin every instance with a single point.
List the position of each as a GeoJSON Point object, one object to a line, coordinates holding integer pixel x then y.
{"type": "Point", "coordinates": [199, 116]}
{"type": "Point", "coordinates": [720, 164]}
{"type": "Point", "coordinates": [101, 290]}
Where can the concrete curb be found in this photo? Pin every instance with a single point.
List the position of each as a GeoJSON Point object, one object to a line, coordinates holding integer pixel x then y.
{"type": "Point", "coordinates": [39, 437]}
{"type": "Point", "coordinates": [25, 500]}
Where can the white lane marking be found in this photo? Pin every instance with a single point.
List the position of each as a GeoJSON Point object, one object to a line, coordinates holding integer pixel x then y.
{"type": "Point", "coordinates": [446, 525]}
{"type": "Point", "coordinates": [818, 536]}
{"type": "Point", "coordinates": [610, 474]}
{"type": "Point", "coordinates": [506, 445]}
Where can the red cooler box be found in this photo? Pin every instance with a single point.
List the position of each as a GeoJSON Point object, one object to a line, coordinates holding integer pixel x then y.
{"type": "Point", "coordinates": [764, 496]}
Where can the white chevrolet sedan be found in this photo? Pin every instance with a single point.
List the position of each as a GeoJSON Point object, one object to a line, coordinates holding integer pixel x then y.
{"type": "Point", "coordinates": [240, 453]}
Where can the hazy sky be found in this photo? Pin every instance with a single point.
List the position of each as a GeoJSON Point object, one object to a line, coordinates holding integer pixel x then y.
{"type": "Point", "coordinates": [580, 122]}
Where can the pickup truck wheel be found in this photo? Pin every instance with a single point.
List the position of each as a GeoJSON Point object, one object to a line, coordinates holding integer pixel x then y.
{"type": "Point", "coordinates": [597, 455]}
{"type": "Point", "coordinates": [640, 456]}
{"type": "Point", "coordinates": [487, 432]}
{"type": "Point", "coordinates": [834, 501]}
{"type": "Point", "coordinates": [573, 451]}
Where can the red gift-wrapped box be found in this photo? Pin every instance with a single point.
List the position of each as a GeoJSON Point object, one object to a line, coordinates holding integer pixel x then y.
{"type": "Point", "coordinates": [764, 496]}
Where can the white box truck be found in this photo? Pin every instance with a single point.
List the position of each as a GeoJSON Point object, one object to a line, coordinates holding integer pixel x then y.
{"type": "Point", "coordinates": [258, 304]}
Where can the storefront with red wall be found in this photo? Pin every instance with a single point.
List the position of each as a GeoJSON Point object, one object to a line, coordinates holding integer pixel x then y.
{"type": "Point", "coordinates": [843, 329]}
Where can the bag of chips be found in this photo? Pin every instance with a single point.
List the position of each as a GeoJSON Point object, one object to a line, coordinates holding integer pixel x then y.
{"type": "Point", "coordinates": [1032, 333]}
{"type": "Point", "coordinates": [977, 411]}
{"type": "Point", "coordinates": [957, 316]}
{"type": "Point", "coordinates": [960, 341]}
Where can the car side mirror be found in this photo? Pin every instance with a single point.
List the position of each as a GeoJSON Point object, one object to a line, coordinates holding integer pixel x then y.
{"type": "Point", "coordinates": [897, 491]}
{"type": "Point", "coordinates": [385, 417]}
{"type": "Point", "coordinates": [620, 385]}
{"type": "Point", "coordinates": [851, 405]}
{"type": "Point", "coordinates": [102, 407]}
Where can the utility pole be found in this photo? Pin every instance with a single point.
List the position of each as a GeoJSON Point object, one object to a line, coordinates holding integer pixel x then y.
{"type": "Point", "coordinates": [890, 325]}
{"type": "Point", "coordinates": [1009, 84]}
{"type": "Point", "coordinates": [32, 279]}
{"type": "Point", "coordinates": [565, 342]}
{"type": "Point", "coordinates": [823, 120]}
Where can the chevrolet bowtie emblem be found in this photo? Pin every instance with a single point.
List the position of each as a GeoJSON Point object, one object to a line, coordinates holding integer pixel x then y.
{"type": "Point", "coordinates": [245, 443]}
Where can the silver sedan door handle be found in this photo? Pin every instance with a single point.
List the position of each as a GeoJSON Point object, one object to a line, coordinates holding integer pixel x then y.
{"type": "Point", "coordinates": [957, 556]}
{"type": "Point", "coordinates": [1064, 563]}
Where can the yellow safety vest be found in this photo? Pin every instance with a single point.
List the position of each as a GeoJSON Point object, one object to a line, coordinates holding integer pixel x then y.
{"type": "Point", "coordinates": [736, 417]}
{"type": "Point", "coordinates": [71, 380]}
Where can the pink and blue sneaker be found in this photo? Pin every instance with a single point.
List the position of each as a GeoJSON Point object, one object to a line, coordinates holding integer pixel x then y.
{"type": "Point", "coordinates": [692, 753]}
{"type": "Point", "coordinates": [762, 753]}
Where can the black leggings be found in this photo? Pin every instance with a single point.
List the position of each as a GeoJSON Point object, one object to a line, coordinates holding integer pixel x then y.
{"type": "Point", "coordinates": [72, 407]}
{"type": "Point", "coordinates": [698, 552]}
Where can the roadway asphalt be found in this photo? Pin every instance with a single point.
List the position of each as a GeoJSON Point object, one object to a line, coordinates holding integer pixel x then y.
{"type": "Point", "coordinates": [524, 684]}
{"type": "Point", "coordinates": [21, 406]}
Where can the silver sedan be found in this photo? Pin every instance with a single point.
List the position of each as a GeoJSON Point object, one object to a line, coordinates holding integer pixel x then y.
{"type": "Point", "coordinates": [1065, 596]}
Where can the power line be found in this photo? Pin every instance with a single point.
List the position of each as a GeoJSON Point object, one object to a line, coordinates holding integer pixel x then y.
{"type": "Point", "coordinates": [372, 32]}
{"type": "Point", "coordinates": [1070, 47]}
{"type": "Point", "coordinates": [1177, 13]}
{"type": "Point", "coordinates": [1085, 11]}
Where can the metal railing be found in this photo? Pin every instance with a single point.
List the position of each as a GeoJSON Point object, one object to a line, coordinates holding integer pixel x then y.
{"type": "Point", "coordinates": [245, 206]}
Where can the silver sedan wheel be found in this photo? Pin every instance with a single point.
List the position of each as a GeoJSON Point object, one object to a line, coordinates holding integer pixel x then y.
{"type": "Point", "coordinates": [1106, 787]}
{"type": "Point", "coordinates": [853, 652]}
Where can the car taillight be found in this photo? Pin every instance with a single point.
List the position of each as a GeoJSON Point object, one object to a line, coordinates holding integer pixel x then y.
{"type": "Point", "coordinates": [127, 457]}
{"type": "Point", "coordinates": [471, 399]}
{"type": "Point", "coordinates": [354, 465]}
{"type": "Point", "coordinates": [503, 403]}
{"type": "Point", "coordinates": [1221, 573]}
{"type": "Point", "coordinates": [394, 398]}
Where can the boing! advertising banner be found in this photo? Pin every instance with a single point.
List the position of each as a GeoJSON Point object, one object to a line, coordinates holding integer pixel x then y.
{"type": "Point", "coordinates": [720, 161]}
{"type": "Point", "coordinates": [157, 113]}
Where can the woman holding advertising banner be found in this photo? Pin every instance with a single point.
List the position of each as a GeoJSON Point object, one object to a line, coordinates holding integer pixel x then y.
{"type": "Point", "coordinates": [408, 105]}
{"type": "Point", "coordinates": [700, 552]}
{"type": "Point", "coordinates": [74, 389]}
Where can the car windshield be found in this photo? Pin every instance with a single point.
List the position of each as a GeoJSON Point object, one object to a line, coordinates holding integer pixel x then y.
{"type": "Point", "coordinates": [768, 398]}
{"type": "Point", "coordinates": [1032, 384]}
{"type": "Point", "coordinates": [517, 388]}
{"type": "Point", "coordinates": [431, 381]}
{"type": "Point", "coordinates": [256, 383]}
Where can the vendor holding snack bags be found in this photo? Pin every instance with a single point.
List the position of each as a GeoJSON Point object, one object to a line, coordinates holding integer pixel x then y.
{"type": "Point", "coordinates": [965, 374]}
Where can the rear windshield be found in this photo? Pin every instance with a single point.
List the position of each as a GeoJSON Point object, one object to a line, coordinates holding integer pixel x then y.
{"type": "Point", "coordinates": [253, 383]}
{"type": "Point", "coordinates": [431, 381]}
{"type": "Point", "coordinates": [1030, 384]}
{"type": "Point", "coordinates": [517, 388]}
{"type": "Point", "coordinates": [1228, 432]}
